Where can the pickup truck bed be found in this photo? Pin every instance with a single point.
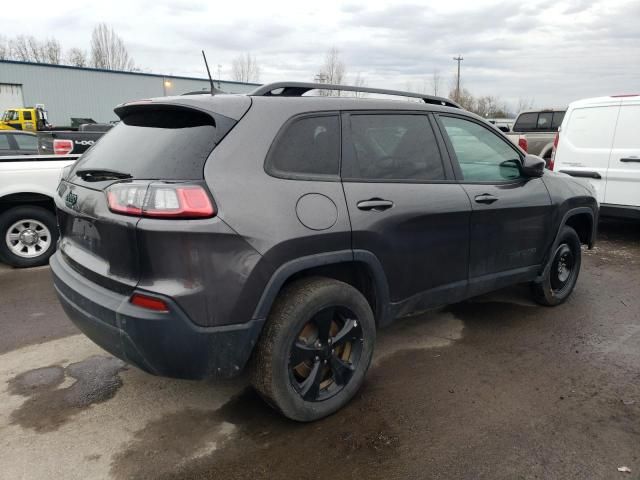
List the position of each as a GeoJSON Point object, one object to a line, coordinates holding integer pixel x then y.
{"type": "Point", "coordinates": [66, 141]}
{"type": "Point", "coordinates": [540, 127]}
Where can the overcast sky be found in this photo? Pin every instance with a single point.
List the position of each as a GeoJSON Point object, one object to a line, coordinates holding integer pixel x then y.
{"type": "Point", "coordinates": [549, 51]}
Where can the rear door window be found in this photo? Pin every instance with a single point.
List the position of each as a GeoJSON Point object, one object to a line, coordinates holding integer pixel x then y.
{"type": "Point", "coordinates": [526, 122]}
{"type": "Point", "coordinates": [169, 143]}
{"type": "Point", "coordinates": [308, 147]}
{"type": "Point", "coordinates": [4, 142]}
{"type": "Point", "coordinates": [392, 147]}
{"type": "Point", "coordinates": [26, 142]}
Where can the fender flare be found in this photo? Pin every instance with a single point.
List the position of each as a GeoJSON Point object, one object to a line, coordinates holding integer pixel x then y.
{"type": "Point", "coordinates": [570, 213]}
{"type": "Point", "coordinates": [285, 271]}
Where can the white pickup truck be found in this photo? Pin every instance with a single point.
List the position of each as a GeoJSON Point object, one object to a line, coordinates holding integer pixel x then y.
{"type": "Point", "coordinates": [28, 228]}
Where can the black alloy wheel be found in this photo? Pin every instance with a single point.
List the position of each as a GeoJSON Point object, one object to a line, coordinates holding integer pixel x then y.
{"type": "Point", "coordinates": [325, 354]}
{"type": "Point", "coordinates": [315, 348]}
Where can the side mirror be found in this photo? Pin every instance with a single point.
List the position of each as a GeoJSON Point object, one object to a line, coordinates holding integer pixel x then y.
{"type": "Point", "coordinates": [533, 166]}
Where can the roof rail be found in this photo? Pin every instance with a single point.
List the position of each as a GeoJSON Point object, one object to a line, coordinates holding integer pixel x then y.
{"type": "Point", "coordinates": [297, 89]}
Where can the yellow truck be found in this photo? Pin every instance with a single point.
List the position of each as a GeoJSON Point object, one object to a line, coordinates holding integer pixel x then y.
{"type": "Point", "coordinates": [30, 119]}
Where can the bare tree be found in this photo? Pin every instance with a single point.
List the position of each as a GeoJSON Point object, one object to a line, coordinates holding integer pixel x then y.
{"type": "Point", "coordinates": [51, 51]}
{"type": "Point", "coordinates": [435, 81]}
{"type": "Point", "coordinates": [77, 57]}
{"type": "Point", "coordinates": [245, 68]}
{"type": "Point", "coordinates": [30, 49]}
{"type": "Point", "coordinates": [465, 98]}
{"type": "Point", "coordinates": [409, 86]}
{"type": "Point", "coordinates": [108, 50]}
{"type": "Point", "coordinates": [5, 50]}
{"type": "Point", "coordinates": [359, 82]}
{"type": "Point", "coordinates": [524, 104]}
{"type": "Point", "coordinates": [19, 49]}
{"type": "Point", "coordinates": [35, 49]}
{"type": "Point", "coordinates": [332, 71]}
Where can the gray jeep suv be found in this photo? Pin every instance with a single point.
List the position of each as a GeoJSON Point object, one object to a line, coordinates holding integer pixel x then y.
{"type": "Point", "coordinates": [276, 230]}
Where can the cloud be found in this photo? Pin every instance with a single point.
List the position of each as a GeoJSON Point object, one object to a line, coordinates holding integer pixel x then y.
{"type": "Point", "coordinates": [552, 50]}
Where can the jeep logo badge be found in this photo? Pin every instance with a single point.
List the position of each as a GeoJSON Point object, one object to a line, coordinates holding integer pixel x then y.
{"type": "Point", "coordinates": [71, 199]}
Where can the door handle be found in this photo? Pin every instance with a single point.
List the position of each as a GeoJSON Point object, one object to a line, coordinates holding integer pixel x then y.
{"type": "Point", "coordinates": [376, 204]}
{"type": "Point", "coordinates": [630, 159]}
{"type": "Point", "coordinates": [485, 198]}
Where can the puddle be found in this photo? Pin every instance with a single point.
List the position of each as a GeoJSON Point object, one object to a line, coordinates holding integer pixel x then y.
{"type": "Point", "coordinates": [29, 383]}
{"type": "Point", "coordinates": [50, 403]}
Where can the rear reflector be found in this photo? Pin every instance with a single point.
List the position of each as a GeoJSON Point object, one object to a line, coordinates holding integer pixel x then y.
{"type": "Point", "coordinates": [150, 303]}
{"type": "Point", "coordinates": [62, 147]}
{"type": "Point", "coordinates": [523, 144]}
{"type": "Point", "coordinates": [160, 200]}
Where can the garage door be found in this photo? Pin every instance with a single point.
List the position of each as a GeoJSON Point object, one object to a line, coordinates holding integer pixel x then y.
{"type": "Point", "coordinates": [10, 96]}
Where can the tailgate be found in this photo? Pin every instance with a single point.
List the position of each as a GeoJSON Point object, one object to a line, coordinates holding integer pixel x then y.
{"type": "Point", "coordinates": [94, 241]}
{"type": "Point", "coordinates": [153, 144]}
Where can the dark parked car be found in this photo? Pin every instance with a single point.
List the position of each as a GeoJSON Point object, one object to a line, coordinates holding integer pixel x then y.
{"type": "Point", "coordinates": [18, 143]}
{"type": "Point", "coordinates": [205, 233]}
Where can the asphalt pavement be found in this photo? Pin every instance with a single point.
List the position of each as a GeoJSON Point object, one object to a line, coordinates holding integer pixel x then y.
{"type": "Point", "coordinates": [496, 388]}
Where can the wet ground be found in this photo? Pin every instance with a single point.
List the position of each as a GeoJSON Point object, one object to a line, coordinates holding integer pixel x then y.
{"type": "Point", "coordinates": [495, 388]}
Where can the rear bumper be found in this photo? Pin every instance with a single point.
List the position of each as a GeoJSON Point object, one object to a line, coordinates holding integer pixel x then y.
{"type": "Point", "coordinates": [167, 344]}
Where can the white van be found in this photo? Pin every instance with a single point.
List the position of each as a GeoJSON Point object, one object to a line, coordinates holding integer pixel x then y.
{"type": "Point", "coordinates": [599, 139]}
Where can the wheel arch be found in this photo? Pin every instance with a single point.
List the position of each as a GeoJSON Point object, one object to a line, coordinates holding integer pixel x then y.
{"type": "Point", "coordinates": [583, 222]}
{"type": "Point", "coordinates": [19, 199]}
{"type": "Point", "coordinates": [581, 219]}
{"type": "Point", "coordinates": [359, 268]}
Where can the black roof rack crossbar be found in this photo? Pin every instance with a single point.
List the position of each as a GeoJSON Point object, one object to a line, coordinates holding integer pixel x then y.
{"type": "Point", "coordinates": [297, 89]}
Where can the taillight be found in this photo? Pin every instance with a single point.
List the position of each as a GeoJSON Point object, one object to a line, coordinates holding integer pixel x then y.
{"type": "Point", "coordinates": [160, 201]}
{"type": "Point", "coordinates": [150, 303]}
{"type": "Point", "coordinates": [552, 159]}
{"type": "Point", "coordinates": [62, 147]}
{"type": "Point", "coordinates": [523, 144]}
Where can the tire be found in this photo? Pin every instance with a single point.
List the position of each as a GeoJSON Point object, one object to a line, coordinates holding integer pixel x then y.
{"type": "Point", "coordinates": [36, 246]}
{"type": "Point", "coordinates": [295, 326]}
{"type": "Point", "coordinates": [558, 281]}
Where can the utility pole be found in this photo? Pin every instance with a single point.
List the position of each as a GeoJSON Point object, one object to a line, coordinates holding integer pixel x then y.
{"type": "Point", "coordinates": [458, 59]}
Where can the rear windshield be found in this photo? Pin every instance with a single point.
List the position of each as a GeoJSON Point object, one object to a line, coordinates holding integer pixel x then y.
{"type": "Point", "coordinates": [151, 143]}
{"type": "Point", "coordinates": [538, 122]}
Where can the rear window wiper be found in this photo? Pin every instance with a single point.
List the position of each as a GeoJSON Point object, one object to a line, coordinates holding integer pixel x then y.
{"type": "Point", "coordinates": [100, 174]}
